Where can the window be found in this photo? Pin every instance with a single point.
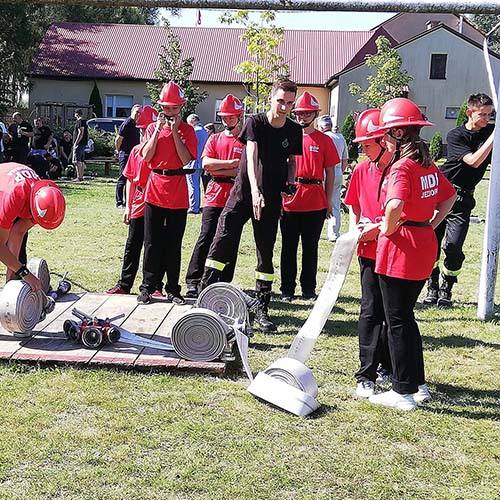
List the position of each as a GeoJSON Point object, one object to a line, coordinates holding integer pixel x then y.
{"type": "Point", "coordinates": [438, 66]}
{"type": "Point", "coordinates": [451, 112]}
{"type": "Point", "coordinates": [118, 106]}
{"type": "Point", "coordinates": [217, 106]}
{"type": "Point", "coordinates": [146, 101]}
{"type": "Point", "coordinates": [423, 109]}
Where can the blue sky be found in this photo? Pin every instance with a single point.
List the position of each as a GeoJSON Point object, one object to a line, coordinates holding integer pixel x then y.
{"type": "Point", "coordinates": [294, 20]}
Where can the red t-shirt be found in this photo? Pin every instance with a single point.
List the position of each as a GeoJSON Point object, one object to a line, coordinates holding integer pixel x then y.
{"type": "Point", "coordinates": [362, 193]}
{"type": "Point", "coordinates": [132, 168]}
{"type": "Point", "coordinates": [221, 147]}
{"type": "Point", "coordinates": [168, 191]}
{"type": "Point", "coordinates": [16, 181]}
{"type": "Point", "coordinates": [410, 252]}
{"type": "Point", "coordinates": [318, 154]}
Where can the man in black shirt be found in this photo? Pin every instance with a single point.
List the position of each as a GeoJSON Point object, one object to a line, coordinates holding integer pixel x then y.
{"type": "Point", "coordinates": [469, 153]}
{"type": "Point", "coordinates": [267, 166]}
{"type": "Point", "coordinates": [80, 139]}
{"type": "Point", "coordinates": [128, 136]}
{"type": "Point", "coordinates": [42, 137]}
{"type": "Point", "coordinates": [21, 132]}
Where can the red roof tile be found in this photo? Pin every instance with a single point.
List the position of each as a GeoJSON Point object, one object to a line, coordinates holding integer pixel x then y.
{"type": "Point", "coordinates": [128, 51]}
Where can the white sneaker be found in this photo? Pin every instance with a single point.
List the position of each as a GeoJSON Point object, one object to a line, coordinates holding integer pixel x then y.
{"type": "Point", "coordinates": [423, 394]}
{"type": "Point", "coordinates": [392, 398]}
{"type": "Point", "coordinates": [365, 389]}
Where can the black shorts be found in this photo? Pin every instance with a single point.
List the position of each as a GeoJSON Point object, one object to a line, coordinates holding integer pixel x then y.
{"type": "Point", "coordinates": [79, 153]}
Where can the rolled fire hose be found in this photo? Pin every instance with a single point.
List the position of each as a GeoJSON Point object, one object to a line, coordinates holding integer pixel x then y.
{"type": "Point", "coordinates": [294, 373]}
{"type": "Point", "coordinates": [39, 268]}
{"type": "Point", "coordinates": [200, 335]}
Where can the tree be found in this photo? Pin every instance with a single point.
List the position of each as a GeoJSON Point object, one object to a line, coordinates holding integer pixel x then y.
{"type": "Point", "coordinates": [265, 64]}
{"type": "Point", "coordinates": [462, 116]}
{"type": "Point", "coordinates": [486, 22]}
{"type": "Point", "coordinates": [173, 68]}
{"type": "Point", "coordinates": [390, 79]}
{"type": "Point", "coordinates": [95, 100]}
{"type": "Point", "coordinates": [348, 130]}
{"type": "Point", "coordinates": [436, 146]}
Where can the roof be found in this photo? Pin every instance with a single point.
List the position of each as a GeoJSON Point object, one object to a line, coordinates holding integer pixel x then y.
{"type": "Point", "coordinates": [128, 51]}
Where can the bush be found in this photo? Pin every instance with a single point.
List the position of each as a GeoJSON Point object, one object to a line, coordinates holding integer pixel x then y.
{"type": "Point", "coordinates": [349, 133]}
{"type": "Point", "coordinates": [436, 146]}
{"type": "Point", "coordinates": [104, 143]}
{"type": "Point", "coordinates": [462, 116]}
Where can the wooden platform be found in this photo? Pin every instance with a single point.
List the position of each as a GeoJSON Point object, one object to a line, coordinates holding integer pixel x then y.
{"type": "Point", "coordinates": [153, 321]}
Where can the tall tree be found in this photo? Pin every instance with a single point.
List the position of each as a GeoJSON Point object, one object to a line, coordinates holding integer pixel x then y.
{"type": "Point", "coordinates": [174, 68]}
{"type": "Point", "coordinates": [265, 64]}
{"type": "Point", "coordinates": [486, 22]}
{"type": "Point", "coordinates": [390, 78]}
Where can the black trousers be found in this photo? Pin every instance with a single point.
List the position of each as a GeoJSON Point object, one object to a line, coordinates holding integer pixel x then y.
{"type": "Point", "coordinates": [306, 227]}
{"type": "Point", "coordinates": [372, 330]}
{"type": "Point", "coordinates": [132, 253]}
{"type": "Point", "coordinates": [451, 233]}
{"type": "Point", "coordinates": [405, 343]}
{"type": "Point", "coordinates": [209, 219]}
{"type": "Point", "coordinates": [163, 233]}
{"type": "Point", "coordinates": [122, 180]}
{"type": "Point", "coordinates": [227, 239]}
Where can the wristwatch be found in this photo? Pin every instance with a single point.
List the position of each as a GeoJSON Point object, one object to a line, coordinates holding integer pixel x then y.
{"type": "Point", "coordinates": [22, 272]}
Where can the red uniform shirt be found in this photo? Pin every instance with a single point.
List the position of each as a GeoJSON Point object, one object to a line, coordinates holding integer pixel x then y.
{"type": "Point", "coordinates": [362, 193]}
{"type": "Point", "coordinates": [132, 168]}
{"type": "Point", "coordinates": [221, 147]}
{"type": "Point", "coordinates": [318, 154]}
{"type": "Point", "coordinates": [161, 190]}
{"type": "Point", "coordinates": [410, 252]}
{"type": "Point", "coordinates": [16, 181]}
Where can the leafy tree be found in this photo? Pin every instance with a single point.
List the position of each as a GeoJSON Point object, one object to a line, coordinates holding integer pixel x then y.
{"type": "Point", "coordinates": [95, 100]}
{"type": "Point", "coordinates": [462, 116]}
{"type": "Point", "coordinates": [389, 80]}
{"type": "Point", "coordinates": [486, 22]}
{"type": "Point", "coordinates": [436, 146]}
{"type": "Point", "coordinates": [173, 68]}
{"type": "Point", "coordinates": [265, 64]}
{"type": "Point", "coordinates": [348, 130]}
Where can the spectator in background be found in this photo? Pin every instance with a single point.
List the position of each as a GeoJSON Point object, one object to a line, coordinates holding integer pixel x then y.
{"type": "Point", "coordinates": [42, 138]}
{"type": "Point", "coordinates": [8, 152]}
{"type": "Point", "coordinates": [194, 178]}
{"type": "Point", "coordinates": [21, 132]}
{"type": "Point", "coordinates": [80, 139]}
{"type": "Point", "coordinates": [65, 148]}
{"type": "Point", "coordinates": [205, 177]}
{"type": "Point", "coordinates": [3, 133]}
{"type": "Point", "coordinates": [210, 128]}
{"type": "Point", "coordinates": [325, 126]}
{"type": "Point", "coordinates": [128, 136]}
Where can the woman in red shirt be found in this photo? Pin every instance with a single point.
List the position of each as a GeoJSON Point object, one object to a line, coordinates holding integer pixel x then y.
{"type": "Point", "coordinates": [417, 198]}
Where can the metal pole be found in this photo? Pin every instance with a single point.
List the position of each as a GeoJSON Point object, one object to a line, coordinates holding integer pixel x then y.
{"type": "Point", "coordinates": [469, 7]}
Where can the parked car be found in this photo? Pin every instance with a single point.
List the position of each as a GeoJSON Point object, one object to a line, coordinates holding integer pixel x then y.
{"type": "Point", "coordinates": [106, 125]}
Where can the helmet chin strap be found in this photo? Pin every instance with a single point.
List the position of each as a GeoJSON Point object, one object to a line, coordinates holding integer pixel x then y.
{"type": "Point", "coordinates": [305, 125]}
{"type": "Point", "coordinates": [382, 151]}
{"type": "Point", "coordinates": [229, 129]}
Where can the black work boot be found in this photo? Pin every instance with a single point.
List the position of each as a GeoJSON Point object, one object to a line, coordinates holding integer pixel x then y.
{"type": "Point", "coordinates": [444, 294]}
{"type": "Point", "coordinates": [261, 319]}
{"type": "Point", "coordinates": [210, 275]}
{"type": "Point", "coordinates": [432, 288]}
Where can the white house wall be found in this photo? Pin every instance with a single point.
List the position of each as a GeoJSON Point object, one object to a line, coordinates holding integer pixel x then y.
{"type": "Point", "coordinates": [465, 75]}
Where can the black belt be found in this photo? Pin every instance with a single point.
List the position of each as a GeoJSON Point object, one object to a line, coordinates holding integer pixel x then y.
{"type": "Point", "coordinates": [307, 180]}
{"type": "Point", "coordinates": [461, 190]}
{"type": "Point", "coordinates": [416, 223]}
{"type": "Point", "coordinates": [227, 180]}
{"type": "Point", "coordinates": [177, 171]}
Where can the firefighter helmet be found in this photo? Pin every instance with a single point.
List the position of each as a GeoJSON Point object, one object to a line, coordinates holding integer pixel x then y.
{"type": "Point", "coordinates": [230, 106]}
{"type": "Point", "coordinates": [47, 204]}
{"type": "Point", "coordinates": [307, 102]}
{"type": "Point", "coordinates": [148, 115]}
{"type": "Point", "coordinates": [401, 112]}
{"type": "Point", "coordinates": [367, 126]}
{"type": "Point", "coordinates": [171, 95]}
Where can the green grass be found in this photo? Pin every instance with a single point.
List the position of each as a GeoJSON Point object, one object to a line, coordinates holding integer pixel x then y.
{"type": "Point", "coordinates": [111, 434]}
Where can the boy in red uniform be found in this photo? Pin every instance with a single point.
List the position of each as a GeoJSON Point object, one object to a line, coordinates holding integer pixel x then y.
{"type": "Point", "coordinates": [221, 158]}
{"type": "Point", "coordinates": [25, 201]}
{"type": "Point", "coordinates": [169, 144]}
{"type": "Point", "coordinates": [363, 197]}
{"type": "Point", "coordinates": [133, 215]}
{"type": "Point", "coordinates": [417, 199]}
{"type": "Point", "coordinates": [304, 213]}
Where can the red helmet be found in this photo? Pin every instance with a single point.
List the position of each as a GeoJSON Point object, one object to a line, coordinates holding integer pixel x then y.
{"type": "Point", "coordinates": [230, 106]}
{"type": "Point", "coordinates": [47, 204]}
{"type": "Point", "coordinates": [307, 102]}
{"type": "Point", "coordinates": [171, 95]}
{"type": "Point", "coordinates": [367, 126]}
{"type": "Point", "coordinates": [401, 112]}
{"type": "Point", "coordinates": [148, 115]}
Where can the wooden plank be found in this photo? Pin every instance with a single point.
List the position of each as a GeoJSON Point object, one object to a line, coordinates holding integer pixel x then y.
{"type": "Point", "coordinates": [52, 344]}
{"type": "Point", "coordinates": [144, 321]}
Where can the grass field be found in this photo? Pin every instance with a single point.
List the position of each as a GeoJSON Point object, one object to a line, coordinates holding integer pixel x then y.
{"type": "Point", "coordinates": [107, 434]}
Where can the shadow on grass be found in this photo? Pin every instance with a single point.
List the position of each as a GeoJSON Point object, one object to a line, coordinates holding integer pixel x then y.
{"type": "Point", "coordinates": [452, 341]}
{"type": "Point", "coordinates": [477, 404]}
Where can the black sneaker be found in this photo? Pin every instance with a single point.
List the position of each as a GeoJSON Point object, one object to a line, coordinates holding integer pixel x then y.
{"type": "Point", "coordinates": [144, 297]}
{"type": "Point", "coordinates": [176, 298]}
{"type": "Point", "coordinates": [311, 296]}
{"type": "Point", "coordinates": [431, 298]}
{"type": "Point", "coordinates": [192, 292]}
{"type": "Point", "coordinates": [444, 299]}
{"type": "Point", "coordinates": [286, 297]}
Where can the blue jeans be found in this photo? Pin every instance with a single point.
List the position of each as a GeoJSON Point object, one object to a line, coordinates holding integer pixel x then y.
{"type": "Point", "coordinates": [193, 182]}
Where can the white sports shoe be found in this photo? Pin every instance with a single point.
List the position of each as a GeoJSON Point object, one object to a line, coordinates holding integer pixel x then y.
{"type": "Point", "coordinates": [423, 394]}
{"type": "Point", "coordinates": [391, 398]}
{"type": "Point", "coordinates": [365, 389]}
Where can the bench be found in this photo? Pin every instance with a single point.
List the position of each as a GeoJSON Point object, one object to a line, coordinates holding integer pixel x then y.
{"type": "Point", "coordinates": [107, 161]}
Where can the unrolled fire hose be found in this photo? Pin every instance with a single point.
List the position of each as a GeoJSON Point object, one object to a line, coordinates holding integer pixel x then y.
{"type": "Point", "coordinates": [288, 383]}
{"type": "Point", "coordinates": [21, 308]}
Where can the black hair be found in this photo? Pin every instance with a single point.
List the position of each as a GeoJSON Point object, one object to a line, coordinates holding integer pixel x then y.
{"type": "Point", "coordinates": [478, 100]}
{"type": "Point", "coordinates": [284, 84]}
